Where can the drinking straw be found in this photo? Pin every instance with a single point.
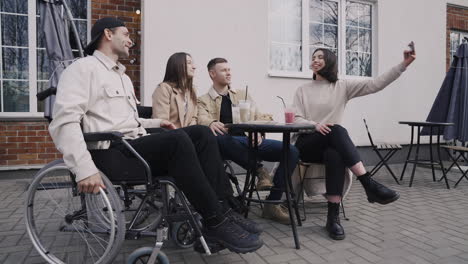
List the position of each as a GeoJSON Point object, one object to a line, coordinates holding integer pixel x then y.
{"type": "Point", "coordinates": [282, 100]}
{"type": "Point", "coordinates": [246, 91]}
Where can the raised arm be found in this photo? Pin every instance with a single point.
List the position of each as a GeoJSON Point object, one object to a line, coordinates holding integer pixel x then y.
{"type": "Point", "coordinates": [356, 88]}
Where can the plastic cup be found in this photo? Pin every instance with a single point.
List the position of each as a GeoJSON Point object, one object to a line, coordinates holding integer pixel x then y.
{"type": "Point", "coordinates": [289, 113]}
{"type": "Point", "coordinates": [236, 114]}
{"type": "Point", "coordinates": [244, 109]}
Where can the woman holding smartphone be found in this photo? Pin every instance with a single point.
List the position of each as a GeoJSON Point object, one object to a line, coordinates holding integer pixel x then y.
{"type": "Point", "coordinates": [322, 103]}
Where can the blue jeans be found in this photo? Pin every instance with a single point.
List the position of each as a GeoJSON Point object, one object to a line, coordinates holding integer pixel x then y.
{"type": "Point", "coordinates": [236, 148]}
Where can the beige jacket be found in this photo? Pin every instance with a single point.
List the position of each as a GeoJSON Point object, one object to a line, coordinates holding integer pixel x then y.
{"type": "Point", "coordinates": [209, 106]}
{"type": "Point", "coordinates": [169, 104]}
{"type": "Point", "coordinates": [93, 95]}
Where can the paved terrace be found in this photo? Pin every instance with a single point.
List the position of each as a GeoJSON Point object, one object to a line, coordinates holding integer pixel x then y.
{"type": "Point", "coordinates": [429, 224]}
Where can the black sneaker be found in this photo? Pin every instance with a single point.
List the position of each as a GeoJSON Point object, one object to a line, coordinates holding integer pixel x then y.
{"type": "Point", "coordinates": [233, 237]}
{"type": "Point", "coordinates": [214, 246]}
{"type": "Point", "coordinates": [377, 192]}
{"type": "Point", "coordinates": [245, 223]}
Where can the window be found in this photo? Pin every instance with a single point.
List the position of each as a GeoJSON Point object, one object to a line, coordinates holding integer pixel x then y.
{"type": "Point", "coordinates": [298, 27]}
{"type": "Point", "coordinates": [25, 66]}
{"type": "Point", "coordinates": [456, 38]}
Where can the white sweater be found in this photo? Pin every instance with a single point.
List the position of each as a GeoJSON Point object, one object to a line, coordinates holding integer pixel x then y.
{"type": "Point", "coordinates": [324, 102]}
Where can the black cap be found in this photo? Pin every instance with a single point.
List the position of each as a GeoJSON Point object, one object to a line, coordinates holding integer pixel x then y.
{"type": "Point", "coordinates": [98, 29]}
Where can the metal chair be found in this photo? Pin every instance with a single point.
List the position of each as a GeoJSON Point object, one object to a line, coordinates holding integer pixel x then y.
{"type": "Point", "coordinates": [461, 150]}
{"type": "Point", "coordinates": [390, 150]}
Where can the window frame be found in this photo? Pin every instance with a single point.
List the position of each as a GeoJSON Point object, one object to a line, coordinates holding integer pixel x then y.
{"type": "Point", "coordinates": [306, 73]}
{"type": "Point", "coordinates": [32, 60]}
{"type": "Point", "coordinates": [461, 35]}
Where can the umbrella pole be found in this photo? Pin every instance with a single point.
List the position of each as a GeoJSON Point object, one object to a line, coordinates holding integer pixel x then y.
{"type": "Point", "coordinates": [75, 31]}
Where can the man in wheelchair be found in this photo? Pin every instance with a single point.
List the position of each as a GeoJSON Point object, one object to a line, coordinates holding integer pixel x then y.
{"type": "Point", "coordinates": [95, 95]}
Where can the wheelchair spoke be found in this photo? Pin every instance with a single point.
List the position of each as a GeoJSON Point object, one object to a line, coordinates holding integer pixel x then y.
{"type": "Point", "coordinates": [97, 238]}
{"type": "Point", "coordinates": [54, 201]}
{"type": "Point", "coordinates": [90, 250]}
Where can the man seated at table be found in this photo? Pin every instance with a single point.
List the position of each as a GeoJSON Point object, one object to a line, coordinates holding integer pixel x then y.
{"type": "Point", "coordinates": [214, 110]}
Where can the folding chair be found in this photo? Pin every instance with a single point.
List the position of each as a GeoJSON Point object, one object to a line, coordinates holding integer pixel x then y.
{"type": "Point", "coordinates": [461, 154]}
{"type": "Point", "coordinates": [390, 150]}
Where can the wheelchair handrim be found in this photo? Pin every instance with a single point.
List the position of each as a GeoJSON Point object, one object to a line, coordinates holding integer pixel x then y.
{"type": "Point", "coordinates": [29, 207]}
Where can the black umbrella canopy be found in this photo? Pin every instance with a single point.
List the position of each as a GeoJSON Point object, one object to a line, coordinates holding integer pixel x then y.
{"type": "Point", "coordinates": [451, 103]}
{"type": "Point", "coordinates": [55, 24]}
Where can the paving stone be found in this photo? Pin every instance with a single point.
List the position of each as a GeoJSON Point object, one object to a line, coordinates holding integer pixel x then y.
{"type": "Point", "coordinates": [427, 225]}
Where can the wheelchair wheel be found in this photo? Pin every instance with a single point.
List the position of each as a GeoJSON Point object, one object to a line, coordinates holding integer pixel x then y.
{"type": "Point", "coordinates": [62, 228]}
{"type": "Point", "coordinates": [142, 255]}
{"type": "Point", "coordinates": [183, 234]}
{"type": "Point", "coordinates": [147, 219]}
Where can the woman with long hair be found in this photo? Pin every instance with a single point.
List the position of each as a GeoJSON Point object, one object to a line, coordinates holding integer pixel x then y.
{"type": "Point", "coordinates": [322, 103]}
{"type": "Point", "coordinates": [175, 99]}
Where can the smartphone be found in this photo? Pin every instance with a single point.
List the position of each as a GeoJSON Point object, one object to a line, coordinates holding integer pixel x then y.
{"type": "Point", "coordinates": [411, 46]}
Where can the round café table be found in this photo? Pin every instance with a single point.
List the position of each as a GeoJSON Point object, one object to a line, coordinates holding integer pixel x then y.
{"type": "Point", "coordinates": [254, 128]}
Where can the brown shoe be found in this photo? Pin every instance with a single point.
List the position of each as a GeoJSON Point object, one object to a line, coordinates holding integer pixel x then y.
{"type": "Point", "coordinates": [277, 213]}
{"type": "Point", "coordinates": [264, 182]}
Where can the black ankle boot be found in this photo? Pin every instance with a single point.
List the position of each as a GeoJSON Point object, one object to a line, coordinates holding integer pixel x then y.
{"type": "Point", "coordinates": [376, 192]}
{"type": "Point", "coordinates": [334, 228]}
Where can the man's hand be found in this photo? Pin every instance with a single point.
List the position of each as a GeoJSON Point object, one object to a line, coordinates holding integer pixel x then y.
{"type": "Point", "coordinates": [91, 184]}
{"type": "Point", "coordinates": [218, 128]}
{"type": "Point", "coordinates": [167, 125]}
{"type": "Point", "coordinates": [323, 129]}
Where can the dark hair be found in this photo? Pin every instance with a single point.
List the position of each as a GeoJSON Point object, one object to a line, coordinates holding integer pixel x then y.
{"type": "Point", "coordinates": [102, 36]}
{"type": "Point", "coordinates": [176, 74]}
{"type": "Point", "coordinates": [215, 61]}
{"type": "Point", "coordinates": [330, 71]}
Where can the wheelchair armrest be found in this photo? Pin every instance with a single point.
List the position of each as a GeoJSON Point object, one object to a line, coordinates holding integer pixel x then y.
{"type": "Point", "coordinates": [156, 130]}
{"type": "Point", "coordinates": [102, 136]}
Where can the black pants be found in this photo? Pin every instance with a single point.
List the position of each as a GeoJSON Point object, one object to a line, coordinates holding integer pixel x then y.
{"type": "Point", "coordinates": [191, 156]}
{"type": "Point", "coordinates": [335, 150]}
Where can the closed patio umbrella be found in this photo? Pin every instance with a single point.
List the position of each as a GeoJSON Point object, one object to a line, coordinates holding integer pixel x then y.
{"type": "Point", "coordinates": [56, 19]}
{"type": "Point", "coordinates": [451, 103]}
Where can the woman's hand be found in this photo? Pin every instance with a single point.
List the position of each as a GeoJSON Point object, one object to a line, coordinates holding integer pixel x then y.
{"type": "Point", "coordinates": [323, 129]}
{"type": "Point", "coordinates": [408, 57]}
{"type": "Point", "coordinates": [167, 125]}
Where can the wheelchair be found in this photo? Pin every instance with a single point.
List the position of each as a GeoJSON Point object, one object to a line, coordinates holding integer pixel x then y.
{"type": "Point", "coordinates": [66, 226]}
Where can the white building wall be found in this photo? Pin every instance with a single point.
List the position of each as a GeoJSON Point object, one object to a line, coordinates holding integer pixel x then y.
{"type": "Point", "coordinates": [238, 31]}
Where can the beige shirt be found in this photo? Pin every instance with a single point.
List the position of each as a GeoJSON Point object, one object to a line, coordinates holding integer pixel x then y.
{"type": "Point", "coordinates": [209, 106]}
{"type": "Point", "coordinates": [93, 95]}
{"type": "Point", "coordinates": [324, 102]}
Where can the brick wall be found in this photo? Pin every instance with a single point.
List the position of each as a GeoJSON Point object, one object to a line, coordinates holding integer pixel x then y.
{"type": "Point", "coordinates": [457, 19]}
{"type": "Point", "coordinates": [125, 10]}
{"type": "Point", "coordinates": [28, 143]}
